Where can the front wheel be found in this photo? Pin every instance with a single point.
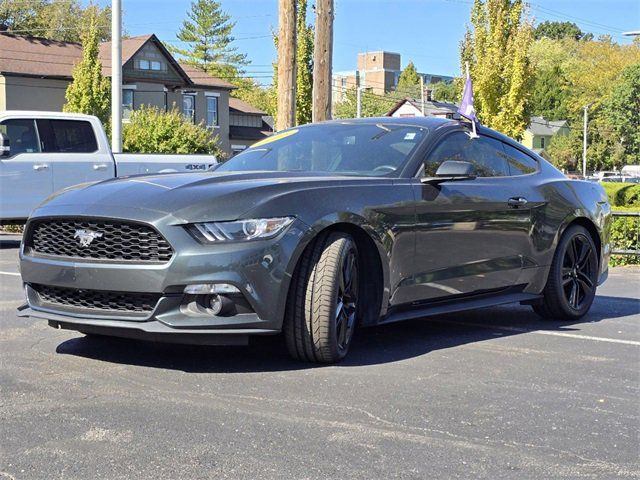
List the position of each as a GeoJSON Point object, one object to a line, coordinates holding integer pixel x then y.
{"type": "Point", "coordinates": [571, 286]}
{"type": "Point", "coordinates": [322, 308]}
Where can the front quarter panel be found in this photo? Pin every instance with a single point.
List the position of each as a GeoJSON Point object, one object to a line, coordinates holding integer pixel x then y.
{"type": "Point", "coordinates": [383, 208]}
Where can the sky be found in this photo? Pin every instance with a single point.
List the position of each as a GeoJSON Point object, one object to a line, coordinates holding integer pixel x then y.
{"type": "Point", "coordinates": [426, 32]}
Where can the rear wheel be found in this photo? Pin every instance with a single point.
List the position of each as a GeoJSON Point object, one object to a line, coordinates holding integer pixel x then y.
{"type": "Point", "coordinates": [571, 286]}
{"type": "Point", "coordinates": [322, 308]}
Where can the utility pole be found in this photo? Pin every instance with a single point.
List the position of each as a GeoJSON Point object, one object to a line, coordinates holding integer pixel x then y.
{"type": "Point", "coordinates": [116, 76]}
{"type": "Point", "coordinates": [358, 102]}
{"type": "Point", "coordinates": [584, 140]}
{"type": "Point", "coordinates": [322, 59]}
{"type": "Point", "coordinates": [422, 94]}
{"type": "Point", "coordinates": [286, 65]}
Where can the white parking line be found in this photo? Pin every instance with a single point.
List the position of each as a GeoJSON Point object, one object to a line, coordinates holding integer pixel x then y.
{"type": "Point", "coordinates": [12, 274]}
{"type": "Point", "coordinates": [548, 332]}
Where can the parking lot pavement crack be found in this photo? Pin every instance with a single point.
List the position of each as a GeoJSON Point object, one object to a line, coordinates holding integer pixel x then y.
{"type": "Point", "coordinates": [459, 439]}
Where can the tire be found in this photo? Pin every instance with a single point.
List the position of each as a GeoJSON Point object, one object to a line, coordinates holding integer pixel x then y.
{"type": "Point", "coordinates": [322, 307]}
{"type": "Point", "coordinates": [571, 285]}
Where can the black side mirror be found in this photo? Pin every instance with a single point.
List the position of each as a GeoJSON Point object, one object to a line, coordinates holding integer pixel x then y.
{"type": "Point", "coordinates": [5, 148]}
{"type": "Point", "coordinates": [451, 171]}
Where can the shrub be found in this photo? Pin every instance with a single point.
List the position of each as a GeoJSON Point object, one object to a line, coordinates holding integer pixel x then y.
{"type": "Point", "coordinates": [625, 195]}
{"type": "Point", "coordinates": [625, 233]}
{"type": "Point", "coordinates": [151, 130]}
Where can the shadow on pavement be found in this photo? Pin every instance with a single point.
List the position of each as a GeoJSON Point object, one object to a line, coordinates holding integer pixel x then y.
{"type": "Point", "coordinates": [375, 345]}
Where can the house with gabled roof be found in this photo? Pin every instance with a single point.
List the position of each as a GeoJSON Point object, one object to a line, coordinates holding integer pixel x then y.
{"type": "Point", "coordinates": [409, 107]}
{"type": "Point", "coordinates": [540, 132]}
{"type": "Point", "coordinates": [35, 73]}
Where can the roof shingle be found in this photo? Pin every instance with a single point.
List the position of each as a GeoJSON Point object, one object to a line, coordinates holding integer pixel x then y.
{"type": "Point", "coordinates": [31, 56]}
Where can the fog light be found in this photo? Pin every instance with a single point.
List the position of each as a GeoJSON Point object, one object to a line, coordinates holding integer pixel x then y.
{"type": "Point", "coordinates": [206, 288]}
{"type": "Point", "coordinates": [215, 304]}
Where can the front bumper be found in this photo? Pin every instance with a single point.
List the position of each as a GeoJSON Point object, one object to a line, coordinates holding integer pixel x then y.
{"type": "Point", "coordinates": [260, 270]}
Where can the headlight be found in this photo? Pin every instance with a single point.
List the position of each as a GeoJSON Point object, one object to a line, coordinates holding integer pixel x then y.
{"type": "Point", "coordinates": [241, 230]}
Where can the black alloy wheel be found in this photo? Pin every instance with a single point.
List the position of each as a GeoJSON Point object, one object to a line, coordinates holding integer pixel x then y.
{"type": "Point", "coordinates": [578, 271]}
{"type": "Point", "coordinates": [573, 276]}
{"type": "Point", "coordinates": [347, 300]}
{"type": "Point", "coordinates": [322, 307]}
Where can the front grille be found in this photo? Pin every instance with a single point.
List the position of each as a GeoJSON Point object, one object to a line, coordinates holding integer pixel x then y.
{"type": "Point", "coordinates": [113, 240]}
{"type": "Point", "coordinates": [96, 300]}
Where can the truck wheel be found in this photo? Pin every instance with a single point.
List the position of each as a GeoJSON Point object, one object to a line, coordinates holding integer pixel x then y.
{"type": "Point", "coordinates": [322, 308]}
{"type": "Point", "coordinates": [571, 286]}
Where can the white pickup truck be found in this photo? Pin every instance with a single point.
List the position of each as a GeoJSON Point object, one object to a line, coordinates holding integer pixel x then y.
{"type": "Point", "coordinates": [43, 152]}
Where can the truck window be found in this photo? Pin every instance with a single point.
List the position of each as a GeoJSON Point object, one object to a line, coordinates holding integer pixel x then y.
{"type": "Point", "coordinates": [22, 134]}
{"type": "Point", "coordinates": [68, 136]}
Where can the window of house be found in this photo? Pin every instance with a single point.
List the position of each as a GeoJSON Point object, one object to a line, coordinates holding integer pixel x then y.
{"type": "Point", "coordinates": [519, 162]}
{"type": "Point", "coordinates": [127, 102]}
{"type": "Point", "coordinates": [484, 153]}
{"type": "Point", "coordinates": [542, 142]}
{"type": "Point", "coordinates": [189, 107]}
{"type": "Point", "coordinates": [23, 137]}
{"type": "Point", "coordinates": [143, 64]}
{"type": "Point", "coordinates": [155, 65]}
{"type": "Point", "coordinates": [212, 111]}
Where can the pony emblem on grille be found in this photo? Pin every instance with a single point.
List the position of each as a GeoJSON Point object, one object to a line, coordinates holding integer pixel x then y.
{"type": "Point", "coordinates": [86, 236]}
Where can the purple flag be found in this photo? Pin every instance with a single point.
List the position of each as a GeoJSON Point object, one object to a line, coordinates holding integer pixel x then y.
{"type": "Point", "coordinates": [466, 105]}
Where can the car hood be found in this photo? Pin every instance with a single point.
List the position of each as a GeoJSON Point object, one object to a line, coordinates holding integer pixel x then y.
{"type": "Point", "coordinates": [198, 196]}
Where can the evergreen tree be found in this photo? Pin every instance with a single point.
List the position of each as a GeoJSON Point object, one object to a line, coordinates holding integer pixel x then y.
{"type": "Point", "coordinates": [304, 60]}
{"type": "Point", "coordinates": [549, 96]}
{"type": "Point", "coordinates": [497, 50]}
{"type": "Point", "coordinates": [89, 92]}
{"type": "Point", "coordinates": [207, 34]}
{"type": "Point", "coordinates": [409, 82]}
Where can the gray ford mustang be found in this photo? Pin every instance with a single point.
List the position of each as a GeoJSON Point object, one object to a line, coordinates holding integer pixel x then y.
{"type": "Point", "coordinates": [315, 231]}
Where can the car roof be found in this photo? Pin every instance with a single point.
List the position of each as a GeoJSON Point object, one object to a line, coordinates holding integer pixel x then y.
{"type": "Point", "coordinates": [431, 123]}
{"type": "Point", "coordinates": [424, 122]}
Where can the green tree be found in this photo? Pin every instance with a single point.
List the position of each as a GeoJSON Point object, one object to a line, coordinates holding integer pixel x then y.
{"type": "Point", "coordinates": [62, 20]}
{"type": "Point", "coordinates": [304, 59]}
{"type": "Point", "coordinates": [549, 96]}
{"type": "Point", "coordinates": [409, 82]}
{"type": "Point", "coordinates": [257, 95]}
{"type": "Point", "coordinates": [497, 49]}
{"type": "Point", "coordinates": [207, 36]}
{"type": "Point", "coordinates": [151, 130]}
{"type": "Point", "coordinates": [559, 30]}
{"type": "Point", "coordinates": [446, 91]}
{"type": "Point", "coordinates": [564, 151]}
{"type": "Point", "coordinates": [622, 110]}
{"type": "Point", "coordinates": [373, 105]}
{"type": "Point", "coordinates": [89, 92]}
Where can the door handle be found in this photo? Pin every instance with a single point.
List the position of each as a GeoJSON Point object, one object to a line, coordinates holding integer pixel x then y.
{"type": "Point", "coordinates": [516, 202]}
{"type": "Point", "coordinates": [99, 166]}
{"type": "Point", "coordinates": [41, 166]}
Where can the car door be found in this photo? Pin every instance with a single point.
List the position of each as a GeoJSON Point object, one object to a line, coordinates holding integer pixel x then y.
{"type": "Point", "coordinates": [469, 234]}
{"type": "Point", "coordinates": [25, 174]}
{"type": "Point", "coordinates": [72, 148]}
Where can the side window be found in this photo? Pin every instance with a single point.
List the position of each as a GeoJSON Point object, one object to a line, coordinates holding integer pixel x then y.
{"type": "Point", "coordinates": [68, 136]}
{"type": "Point", "coordinates": [23, 137]}
{"type": "Point", "coordinates": [487, 156]}
{"type": "Point", "coordinates": [452, 147]}
{"type": "Point", "coordinates": [519, 163]}
{"type": "Point", "coordinates": [484, 153]}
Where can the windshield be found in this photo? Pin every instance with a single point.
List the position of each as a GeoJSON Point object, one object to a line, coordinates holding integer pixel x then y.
{"type": "Point", "coordinates": [364, 149]}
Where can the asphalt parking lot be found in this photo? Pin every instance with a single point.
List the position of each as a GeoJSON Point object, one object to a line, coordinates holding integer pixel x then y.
{"type": "Point", "coordinates": [495, 393]}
